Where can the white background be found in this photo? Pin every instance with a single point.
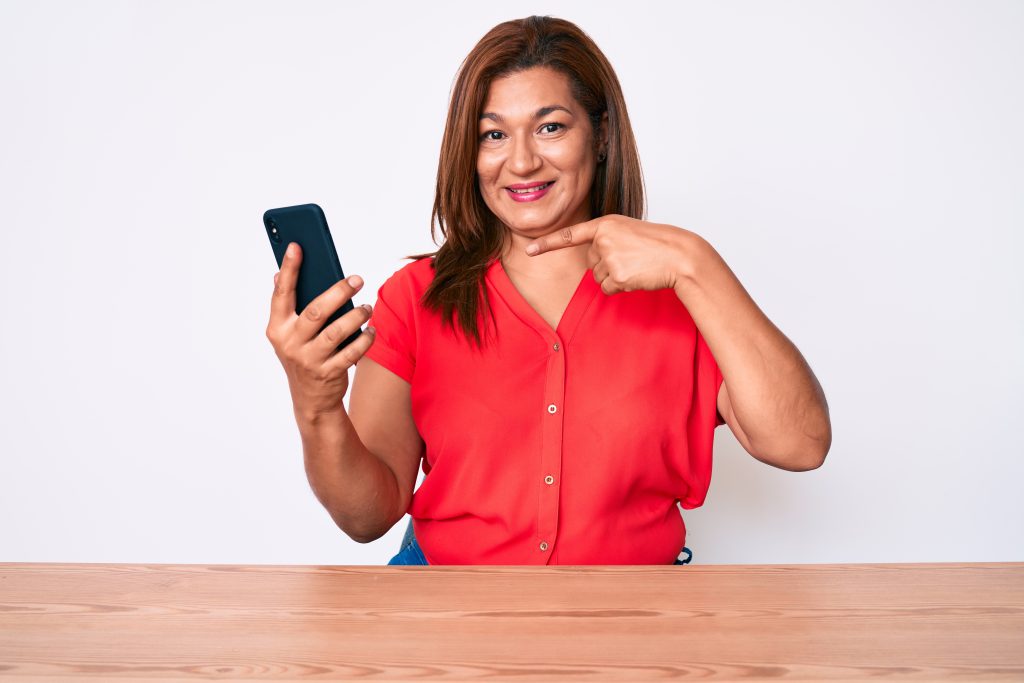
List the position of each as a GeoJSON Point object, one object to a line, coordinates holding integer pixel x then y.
{"type": "Point", "coordinates": [858, 165]}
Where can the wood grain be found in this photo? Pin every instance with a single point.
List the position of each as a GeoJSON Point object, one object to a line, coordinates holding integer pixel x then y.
{"type": "Point", "coordinates": [62, 622]}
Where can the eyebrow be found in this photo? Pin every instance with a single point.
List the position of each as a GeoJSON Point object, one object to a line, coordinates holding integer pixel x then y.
{"type": "Point", "coordinates": [541, 113]}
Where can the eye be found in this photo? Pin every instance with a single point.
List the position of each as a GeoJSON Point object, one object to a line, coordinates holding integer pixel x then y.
{"type": "Point", "coordinates": [488, 134]}
{"type": "Point", "coordinates": [552, 127]}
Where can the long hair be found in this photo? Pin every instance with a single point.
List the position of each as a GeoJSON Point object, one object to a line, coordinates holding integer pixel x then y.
{"type": "Point", "coordinates": [472, 234]}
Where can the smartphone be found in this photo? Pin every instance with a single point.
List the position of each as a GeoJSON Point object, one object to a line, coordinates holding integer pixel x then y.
{"type": "Point", "coordinates": [320, 269]}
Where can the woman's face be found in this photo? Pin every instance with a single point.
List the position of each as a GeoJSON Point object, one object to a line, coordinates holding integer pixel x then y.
{"type": "Point", "coordinates": [535, 138]}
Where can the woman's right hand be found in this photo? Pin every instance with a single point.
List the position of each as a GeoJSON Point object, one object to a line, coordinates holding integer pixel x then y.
{"type": "Point", "coordinates": [317, 373]}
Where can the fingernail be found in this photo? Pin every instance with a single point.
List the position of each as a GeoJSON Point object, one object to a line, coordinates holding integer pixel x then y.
{"type": "Point", "coordinates": [532, 249]}
{"type": "Point", "coordinates": [368, 308]}
{"type": "Point", "coordinates": [371, 330]}
{"type": "Point", "coordinates": [355, 281]}
{"type": "Point", "coordinates": [290, 251]}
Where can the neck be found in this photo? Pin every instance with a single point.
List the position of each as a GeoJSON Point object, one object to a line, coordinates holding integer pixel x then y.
{"type": "Point", "coordinates": [567, 263]}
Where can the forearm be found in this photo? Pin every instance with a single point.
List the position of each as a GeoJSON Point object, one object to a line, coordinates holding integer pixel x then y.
{"type": "Point", "coordinates": [358, 490]}
{"type": "Point", "coordinates": [774, 395]}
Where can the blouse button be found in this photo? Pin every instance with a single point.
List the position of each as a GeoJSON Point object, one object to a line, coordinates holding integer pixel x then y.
{"type": "Point", "coordinates": [549, 480]}
{"type": "Point", "coordinates": [556, 347]}
{"type": "Point", "coordinates": [552, 409]}
{"type": "Point", "coordinates": [543, 546]}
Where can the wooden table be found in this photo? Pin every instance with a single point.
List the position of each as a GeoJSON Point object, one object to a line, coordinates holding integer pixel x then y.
{"type": "Point", "coordinates": [121, 622]}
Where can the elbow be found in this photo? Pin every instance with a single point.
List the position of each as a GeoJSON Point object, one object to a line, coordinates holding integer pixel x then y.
{"type": "Point", "coordinates": [823, 443]}
{"type": "Point", "coordinates": [814, 443]}
{"type": "Point", "coordinates": [359, 532]}
{"type": "Point", "coordinates": [367, 531]}
{"type": "Point", "coordinates": [815, 458]}
{"type": "Point", "coordinates": [797, 455]}
{"type": "Point", "coordinates": [364, 536]}
{"type": "Point", "coordinates": [814, 450]}
{"type": "Point", "coordinates": [821, 438]}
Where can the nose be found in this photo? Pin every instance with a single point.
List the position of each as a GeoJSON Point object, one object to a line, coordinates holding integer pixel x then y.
{"type": "Point", "coordinates": [523, 159]}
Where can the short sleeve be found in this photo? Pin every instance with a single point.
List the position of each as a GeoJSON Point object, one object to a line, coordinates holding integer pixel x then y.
{"type": "Point", "coordinates": [701, 423]}
{"type": "Point", "coordinates": [394, 321]}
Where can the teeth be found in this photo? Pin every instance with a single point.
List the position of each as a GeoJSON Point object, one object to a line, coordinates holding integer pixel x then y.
{"type": "Point", "coordinates": [531, 189]}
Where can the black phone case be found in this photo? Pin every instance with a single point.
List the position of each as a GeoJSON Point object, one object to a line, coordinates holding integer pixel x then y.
{"type": "Point", "coordinates": [306, 224]}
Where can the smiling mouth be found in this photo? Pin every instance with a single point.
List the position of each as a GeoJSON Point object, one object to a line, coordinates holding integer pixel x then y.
{"type": "Point", "coordinates": [533, 188]}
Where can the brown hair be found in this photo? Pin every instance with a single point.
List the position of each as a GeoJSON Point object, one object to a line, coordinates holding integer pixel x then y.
{"type": "Point", "coordinates": [473, 236]}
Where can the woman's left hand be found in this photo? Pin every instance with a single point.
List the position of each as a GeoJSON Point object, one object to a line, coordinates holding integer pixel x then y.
{"type": "Point", "coordinates": [627, 254]}
{"type": "Point", "coordinates": [774, 403]}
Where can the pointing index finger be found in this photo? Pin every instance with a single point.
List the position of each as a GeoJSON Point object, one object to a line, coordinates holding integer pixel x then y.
{"type": "Point", "coordinates": [574, 235]}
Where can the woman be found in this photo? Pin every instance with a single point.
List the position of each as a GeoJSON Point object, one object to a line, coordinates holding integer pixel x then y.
{"type": "Point", "coordinates": [559, 364]}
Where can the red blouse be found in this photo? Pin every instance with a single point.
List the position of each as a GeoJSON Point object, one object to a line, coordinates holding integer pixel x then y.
{"type": "Point", "coordinates": [565, 446]}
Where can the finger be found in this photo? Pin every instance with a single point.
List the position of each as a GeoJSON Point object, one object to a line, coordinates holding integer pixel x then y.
{"type": "Point", "coordinates": [601, 271]}
{"type": "Point", "coordinates": [349, 355]}
{"type": "Point", "coordinates": [282, 304]}
{"type": "Point", "coordinates": [574, 235]}
{"type": "Point", "coordinates": [321, 308]}
{"type": "Point", "coordinates": [341, 329]}
{"type": "Point", "coordinates": [608, 286]}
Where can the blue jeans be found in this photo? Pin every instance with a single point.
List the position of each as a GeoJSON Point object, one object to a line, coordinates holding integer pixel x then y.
{"type": "Point", "coordinates": [411, 553]}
